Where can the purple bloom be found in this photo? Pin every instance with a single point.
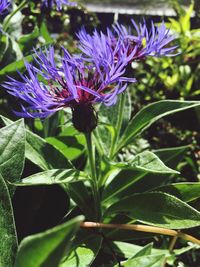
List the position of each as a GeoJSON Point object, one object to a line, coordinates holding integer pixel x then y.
{"type": "Point", "coordinates": [71, 82]}
{"type": "Point", "coordinates": [152, 42]}
{"type": "Point", "coordinates": [4, 4]}
{"type": "Point", "coordinates": [105, 49]}
{"type": "Point", "coordinates": [124, 43]}
{"type": "Point", "coordinates": [58, 3]}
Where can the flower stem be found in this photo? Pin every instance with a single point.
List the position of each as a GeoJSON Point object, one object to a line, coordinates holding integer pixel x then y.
{"type": "Point", "coordinates": [91, 157]}
{"type": "Point", "coordinates": [8, 18]}
{"type": "Point", "coordinates": [118, 125]}
{"type": "Point", "coordinates": [142, 228]}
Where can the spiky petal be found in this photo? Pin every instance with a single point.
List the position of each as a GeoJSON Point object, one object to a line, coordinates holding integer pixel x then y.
{"type": "Point", "coordinates": [4, 4]}
{"type": "Point", "coordinates": [153, 41]}
{"type": "Point", "coordinates": [74, 83]}
{"type": "Point", "coordinates": [131, 44]}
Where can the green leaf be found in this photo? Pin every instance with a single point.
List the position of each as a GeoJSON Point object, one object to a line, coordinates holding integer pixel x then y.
{"type": "Point", "coordinates": [4, 44]}
{"type": "Point", "coordinates": [84, 254]}
{"type": "Point", "coordinates": [126, 250]}
{"type": "Point", "coordinates": [110, 115]}
{"type": "Point", "coordinates": [45, 33]}
{"type": "Point", "coordinates": [80, 194]}
{"type": "Point", "coordinates": [11, 68]}
{"type": "Point", "coordinates": [71, 146]}
{"type": "Point", "coordinates": [8, 234]}
{"type": "Point", "coordinates": [146, 250]}
{"type": "Point", "coordinates": [38, 151]}
{"type": "Point", "coordinates": [185, 191]}
{"type": "Point", "coordinates": [12, 150]}
{"type": "Point", "coordinates": [148, 162]}
{"type": "Point", "coordinates": [185, 19]}
{"type": "Point", "coordinates": [124, 180]}
{"type": "Point", "coordinates": [107, 132]}
{"type": "Point", "coordinates": [171, 156]}
{"type": "Point", "coordinates": [26, 41]}
{"type": "Point", "coordinates": [56, 176]}
{"type": "Point", "coordinates": [145, 261]}
{"type": "Point", "coordinates": [81, 257]}
{"type": "Point", "coordinates": [47, 249]}
{"type": "Point", "coordinates": [151, 113]}
{"type": "Point", "coordinates": [158, 209]}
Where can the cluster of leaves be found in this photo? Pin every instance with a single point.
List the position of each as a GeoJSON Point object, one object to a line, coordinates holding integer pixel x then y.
{"type": "Point", "coordinates": [133, 181]}
{"type": "Point", "coordinates": [130, 192]}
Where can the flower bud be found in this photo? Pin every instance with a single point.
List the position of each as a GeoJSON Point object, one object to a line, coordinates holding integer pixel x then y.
{"type": "Point", "coordinates": [84, 117]}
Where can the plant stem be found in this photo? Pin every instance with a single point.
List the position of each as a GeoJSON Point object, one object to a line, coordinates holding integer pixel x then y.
{"type": "Point", "coordinates": [173, 243]}
{"type": "Point", "coordinates": [142, 228]}
{"type": "Point", "coordinates": [118, 125]}
{"type": "Point", "coordinates": [91, 157]}
{"type": "Point", "coordinates": [8, 19]}
{"type": "Point", "coordinates": [171, 248]}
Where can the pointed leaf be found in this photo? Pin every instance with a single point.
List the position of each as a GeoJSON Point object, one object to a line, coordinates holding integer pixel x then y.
{"type": "Point", "coordinates": [38, 151]}
{"type": "Point", "coordinates": [12, 150]}
{"type": "Point", "coordinates": [151, 113]}
{"type": "Point", "coordinates": [126, 250]}
{"type": "Point", "coordinates": [58, 176]}
{"type": "Point", "coordinates": [47, 249]}
{"type": "Point", "coordinates": [71, 146]}
{"type": "Point", "coordinates": [149, 162]}
{"type": "Point", "coordinates": [143, 164]}
{"type": "Point", "coordinates": [84, 254]}
{"type": "Point", "coordinates": [158, 209]}
{"type": "Point", "coordinates": [172, 155]}
{"type": "Point", "coordinates": [145, 261]}
{"type": "Point", "coordinates": [8, 234]}
{"type": "Point", "coordinates": [146, 250]}
{"type": "Point", "coordinates": [185, 191]}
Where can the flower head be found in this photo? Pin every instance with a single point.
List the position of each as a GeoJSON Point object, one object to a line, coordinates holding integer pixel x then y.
{"type": "Point", "coordinates": [69, 83]}
{"type": "Point", "coordinates": [132, 45]}
{"type": "Point", "coordinates": [58, 3]}
{"type": "Point", "coordinates": [4, 4]}
{"type": "Point", "coordinates": [147, 42]}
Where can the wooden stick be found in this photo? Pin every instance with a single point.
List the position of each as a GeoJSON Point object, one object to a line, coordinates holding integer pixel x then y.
{"type": "Point", "coordinates": [142, 228]}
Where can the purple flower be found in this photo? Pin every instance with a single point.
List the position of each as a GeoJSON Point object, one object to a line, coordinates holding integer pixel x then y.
{"type": "Point", "coordinates": [58, 3]}
{"type": "Point", "coordinates": [71, 82]}
{"type": "Point", "coordinates": [147, 42]}
{"type": "Point", "coordinates": [123, 42]}
{"type": "Point", "coordinates": [4, 4]}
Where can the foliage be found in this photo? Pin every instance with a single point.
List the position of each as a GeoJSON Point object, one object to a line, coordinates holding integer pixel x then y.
{"type": "Point", "coordinates": [118, 180]}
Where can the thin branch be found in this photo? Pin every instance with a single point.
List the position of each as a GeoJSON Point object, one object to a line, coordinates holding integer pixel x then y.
{"type": "Point", "coordinates": [142, 228]}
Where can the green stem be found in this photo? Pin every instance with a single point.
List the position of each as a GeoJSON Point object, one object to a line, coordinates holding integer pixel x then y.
{"type": "Point", "coordinates": [8, 19]}
{"type": "Point", "coordinates": [94, 183]}
{"type": "Point", "coordinates": [118, 126]}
